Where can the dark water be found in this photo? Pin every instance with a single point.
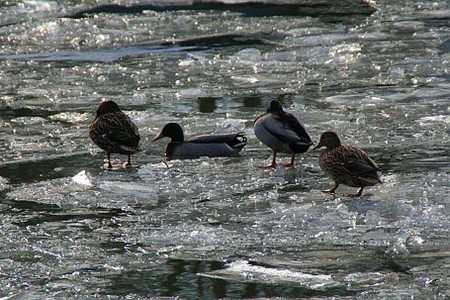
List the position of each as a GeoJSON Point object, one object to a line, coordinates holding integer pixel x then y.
{"type": "Point", "coordinates": [223, 228]}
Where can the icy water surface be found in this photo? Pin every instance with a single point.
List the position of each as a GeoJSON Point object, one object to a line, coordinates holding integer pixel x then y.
{"type": "Point", "coordinates": [222, 227]}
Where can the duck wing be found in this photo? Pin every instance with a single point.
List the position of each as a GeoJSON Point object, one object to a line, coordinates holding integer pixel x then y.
{"type": "Point", "coordinates": [117, 128]}
{"type": "Point", "coordinates": [358, 162]}
{"type": "Point", "coordinates": [291, 122]}
{"type": "Point", "coordinates": [211, 145]}
{"type": "Point", "coordinates": [286, 128]}
{"type": "Point", "coordinates": [232, 140]}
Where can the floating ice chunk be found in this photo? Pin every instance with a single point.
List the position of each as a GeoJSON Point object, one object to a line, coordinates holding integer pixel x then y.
{"type": "Point", "coordinates": [245, 79]}
{"type": "Point", "coordinates": [430, 93]}
{"type": "Point", "coordinates": [398, 248]}
{"type": "Point", "coordinates": [415, 240]}
{"type": "Point", "coordinates": [325, 39]}
{"type": "Point", "coordinates": [368, 278]}
{"type": "Point", "coordinates": [192, 60]}
{"type": "Point", "coordinates": [49, 30]}
{"type": "Point", "coordinates": [340, 100]}
{"type": "Point", "coordinates": [437, 14]}
{"type": "Point", "coordinates": [191, 93]}
{"type": "Point", "coordinates": [134, 189]}
{"type": "Point", "coordinates": [250, 54]}
{"type": "Point", "coordinates": [28, 120]}
{"type": "Point", "coordinates": [396, 72]}
{"type": "Point", "coordinates": [409, 26]}
{"type": "Point", "coordinates": [72, 117]}
{"type": "Point", "coordinates": [4, 183]}
{"type": "Point", "coordinates": [242, 270]}
{"type": "Point", "coordinates": [82, 178]}
{"type": "Point", "coordinates": [186, 63]}
{"type": "Point", "coordinates": [43, 6]}
{"type": "Point", "coordinates": [424, 121]}
{"type": "Point", "coordinates": [344, 53]}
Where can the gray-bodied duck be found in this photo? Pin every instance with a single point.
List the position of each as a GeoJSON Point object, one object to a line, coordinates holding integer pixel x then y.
{"type": "Point", "coordinates": [114, 132]}
{"type": "Point", "coordinates": [211, 145]}
{"type": "Point", "coordinates": [282, 132]}
{"type": "Point", "coordinates": [346, 164]}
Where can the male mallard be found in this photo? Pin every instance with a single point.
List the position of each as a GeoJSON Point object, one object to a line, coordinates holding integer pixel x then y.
{"type": "Point", "coordinates": [114, 132]}
{"type": "Point", "coordinates": [346, 164]}
{"type": "Point", "coordinates": [282, 132]}
{"type": "Point", "coordinates": [212, 145]}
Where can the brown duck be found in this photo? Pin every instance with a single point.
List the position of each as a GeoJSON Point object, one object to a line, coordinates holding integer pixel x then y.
{"type": "Point", "coordinates": [346, 164]}
{"type": "Point", "coordinates": [114, 132]}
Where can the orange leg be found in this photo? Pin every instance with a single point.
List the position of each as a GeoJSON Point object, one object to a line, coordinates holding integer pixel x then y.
{"type": "Point", "coordinates": [291, 164]}
{"type": "Point", "coordinates": [358, 194]}
{"type": "Point", "coordinates": [331, 191]}
{"type": "Point", "coordinates": [128, 164]}
{"type": "Point", "coordinates": [274, 163]}
{"type": "Point", "coordinates": [108, 157]}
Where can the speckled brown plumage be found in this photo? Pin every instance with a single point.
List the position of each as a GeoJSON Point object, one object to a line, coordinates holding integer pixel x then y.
{"type": "Point", "coordinates": [114, 132]}
{"type": "Point", "coordinates": [346, 164]}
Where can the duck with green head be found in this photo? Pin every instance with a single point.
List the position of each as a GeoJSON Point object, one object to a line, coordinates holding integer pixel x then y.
{"type": "Point", "coordinates": [346, 164]}
{"type": "Point", "coordinates": [282, 132]}
{"type": "Point", "coordinates": [114, 132]}
{"type": "Point", "coordinates": [211, 145]}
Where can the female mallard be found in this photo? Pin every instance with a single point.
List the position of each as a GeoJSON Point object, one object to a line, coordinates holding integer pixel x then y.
{"type": "Point", "coordinates": [346, 164]}
{"type": "Point", "coordinates": [282, 132]}
{"type": "Point", "coordinates": [114, 132]}
{"type": "Point", "coordinates": [212, 145]}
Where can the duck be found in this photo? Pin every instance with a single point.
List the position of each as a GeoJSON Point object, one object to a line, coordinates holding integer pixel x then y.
{"type": "Point", "coordinates": [114, 132]}
{"type": "Point", "coordinates": [282, 132]}
{"type": "Point", "coordinates": [346, 164]}
{"type": "Point", "coordinates": [211, 145]}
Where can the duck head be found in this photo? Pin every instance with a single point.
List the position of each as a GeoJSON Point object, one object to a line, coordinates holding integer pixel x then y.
{"type": "Point", "coordinates": [107, 107]}
{"type": "Point", "coordinates": [171, 130]}
{"type": "Point", "coordinates": [275, 107]}
{"type": "Point", "coordinates": [329, 139]}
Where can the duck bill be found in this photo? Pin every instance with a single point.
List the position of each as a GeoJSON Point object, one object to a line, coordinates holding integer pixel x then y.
{"type": "Point", "coordinates": [158, 137]}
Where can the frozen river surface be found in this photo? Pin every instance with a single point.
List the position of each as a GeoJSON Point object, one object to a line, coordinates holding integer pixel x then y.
{"type": "Point", "coordinates": [222, 227]}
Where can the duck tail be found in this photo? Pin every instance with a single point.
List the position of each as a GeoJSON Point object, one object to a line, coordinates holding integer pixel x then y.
{"type": "Point", "coordinates": [371, 179]}
{"type": "Point", "coordinates": [240, 140]}
{"type": "Point", "coordinates": [240, 136]}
